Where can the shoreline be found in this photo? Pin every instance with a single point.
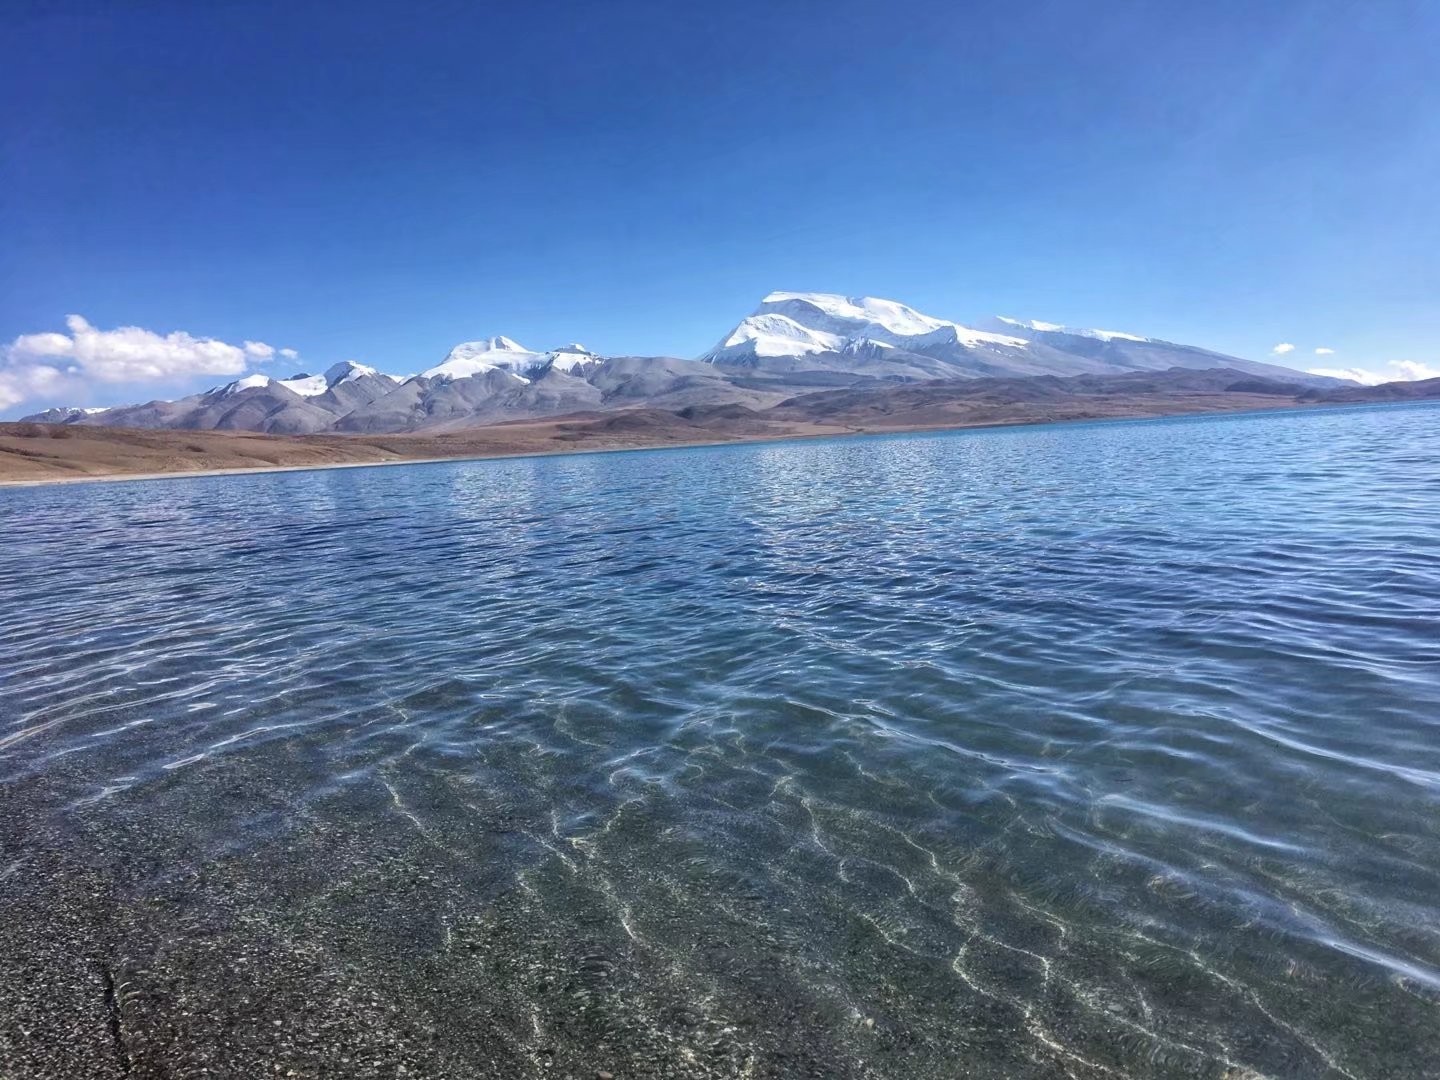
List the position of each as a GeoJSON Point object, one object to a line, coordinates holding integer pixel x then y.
{"type": "Point", "coordinates": [241, 470]}
{"type": "Point", "coordinates": [720, 439]}
{"type": "Point", "coordinates": [498, 455]}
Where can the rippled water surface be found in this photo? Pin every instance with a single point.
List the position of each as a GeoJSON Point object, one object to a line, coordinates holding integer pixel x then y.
{"type": "Point", "coordinates": [1084, 750]}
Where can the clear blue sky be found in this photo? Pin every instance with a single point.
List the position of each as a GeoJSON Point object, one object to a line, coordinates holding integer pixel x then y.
{"type": "Point", "coordinates": [379, 181]}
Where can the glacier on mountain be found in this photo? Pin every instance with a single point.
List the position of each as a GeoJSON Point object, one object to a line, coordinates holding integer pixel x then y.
{"type": "Point", "coordinates": [793, 343]}
{"type": "Point", "coordinates": [1021, 326]}
{"type": "Point", "coordinates": [471, 358]}
{"type": "Point", "coordinates": [799, 323]}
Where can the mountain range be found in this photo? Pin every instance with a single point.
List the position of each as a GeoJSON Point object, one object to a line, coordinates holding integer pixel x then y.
{"type": "Point", "coordinates": [793, 343]}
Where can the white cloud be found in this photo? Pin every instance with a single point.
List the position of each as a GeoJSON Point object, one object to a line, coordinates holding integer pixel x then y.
{"type": "Point", "coordinates": [1401, 371]}
{"type": "Point", "coordinates": [43, 344]}
{"type": "Point", "coordinates": [50, 364]}
{"type": "Point", "coordinates": [130, 352]}
{"type": "Point", "coordinates": [289, 354]}
{"type": "Point", "coordinates": [1322, 351]}
{"type": "Point", "coordinates": [1283, 348]}
{"type": "Point", "coordinates": [24, 383]}
{"type": "Point", "coordinates": [1414, 370]}
{"type": "Point", "coordinates": [1366, 378]}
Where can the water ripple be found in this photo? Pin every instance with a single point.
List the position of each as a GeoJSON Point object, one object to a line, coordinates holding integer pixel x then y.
{"type": "Point", "coordinates": [1089, 750]}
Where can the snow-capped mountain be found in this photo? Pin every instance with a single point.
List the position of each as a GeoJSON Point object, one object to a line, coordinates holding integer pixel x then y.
{"type": "Point", "coordinates": [299, 405]}
{"type": "Point", "coordinates": [63, 414]}
{"type": "Point", "coordinates": [1028, 328]}
{"type": "Point", "coordinates": [343, 373]}
{"type": "Point", "coordinates": [484, 381]}
{"type": "Point", "coordinates": [863, 335]}
{"type": "Point", "coordinates": [793, 343]}
{"type": "Point", "coordinates": [789, 324]}
{"type": "Point", "coordinates": [573, 358]}
{"type": "Point", "coordinates": [472, 358]}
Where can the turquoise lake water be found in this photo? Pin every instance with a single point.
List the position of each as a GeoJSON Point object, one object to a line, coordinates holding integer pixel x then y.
{"type": "Point", "coordinates": [1080, 750]}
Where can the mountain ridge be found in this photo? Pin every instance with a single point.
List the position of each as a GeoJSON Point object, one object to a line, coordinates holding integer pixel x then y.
{"type": "Point", "coordinates": [791, 343]}
{"type": "Point", "coordinates": [44, 452]}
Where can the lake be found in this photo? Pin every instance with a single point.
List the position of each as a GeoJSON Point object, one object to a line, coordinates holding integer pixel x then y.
{"type": "Point", "coordinates": [1083, 750]}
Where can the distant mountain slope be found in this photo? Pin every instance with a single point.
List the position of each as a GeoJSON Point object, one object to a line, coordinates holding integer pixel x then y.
{"type": "Point", "coordinates": [792, 344]}
{"type": "Point", "coordinates": [943, 403]}
{"type": "Point", "coordinates": [299, 405]}
{"type": "Point", "coordinates": [865, 335]}
{"type": "Point", "coordinates": [47, 451]}
{"type": "Point", "coordinates": [1119, 351]}
{"type": "Point", "coordinates": [796, 324]}
{"type": "Point", "coordinates": [1419, 390]}
{"type": "Point", "coordinates": [63, 414]}
{"type": "Point", "coordinates": [445, 400]}
{"type": "Point", "coordinates": [491, 394]}
{"type": "Point", "coordinates": [799, 331]}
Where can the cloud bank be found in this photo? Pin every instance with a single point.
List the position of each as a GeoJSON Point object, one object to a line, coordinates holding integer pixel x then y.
{"type": "Point", "coordinates": [1399, 371]}
{"type": "Point", "coordinates": [1281, 349]}
{"type": "Point", "coordinates": [50, 364]}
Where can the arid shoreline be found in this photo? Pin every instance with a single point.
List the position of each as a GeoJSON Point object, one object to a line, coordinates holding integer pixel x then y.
{"type": "Point", "coordinates": [32, 454]}
{"type": "Point", "coordinates": [112, 454]}
{"type": "Point", "coordinates": [189, 474]}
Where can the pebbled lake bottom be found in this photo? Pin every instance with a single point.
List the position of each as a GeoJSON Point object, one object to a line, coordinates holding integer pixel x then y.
{"type": "Point", "coordinates": [1085, 750]}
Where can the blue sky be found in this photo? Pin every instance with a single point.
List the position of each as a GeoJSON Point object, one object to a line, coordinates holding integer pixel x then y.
{"type": "Point", "coordinates": [380, 181]}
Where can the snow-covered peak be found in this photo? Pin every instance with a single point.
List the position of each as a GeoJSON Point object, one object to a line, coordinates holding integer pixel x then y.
{"type": "Point", "coordinates": [472, 358]}
{"type": "Point", "coordinates": [462, 367]}
{"type": "Point", "coordinates": [315, 385]}
{"type": "Point", "coordinates": [347, 371]}
{"type": "Point", "coordinates": [477, 357]}
{"type": "Point", "coordinates": [1021, 326]}
{"type": "Point", "coordinates": [64, 414]}
{"type": "Point", "coordinates": [249, 382]}
{"type": "Point", "coordinates": [485, 346]}
{"type": "Point", "coordinates": [306, 385]}
{"type": "Point", "coordinates": [770, 334]}
{"type": "Point", "coordinates": [571, 358]}
{"type": "Point", "coordinates": [849, 315]}
{"type": "Point", "coordinates": [798, 324]}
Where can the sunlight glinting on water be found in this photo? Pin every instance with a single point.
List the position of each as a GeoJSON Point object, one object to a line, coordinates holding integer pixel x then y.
{"type": "Point", "coordinates": [1087, 749]}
